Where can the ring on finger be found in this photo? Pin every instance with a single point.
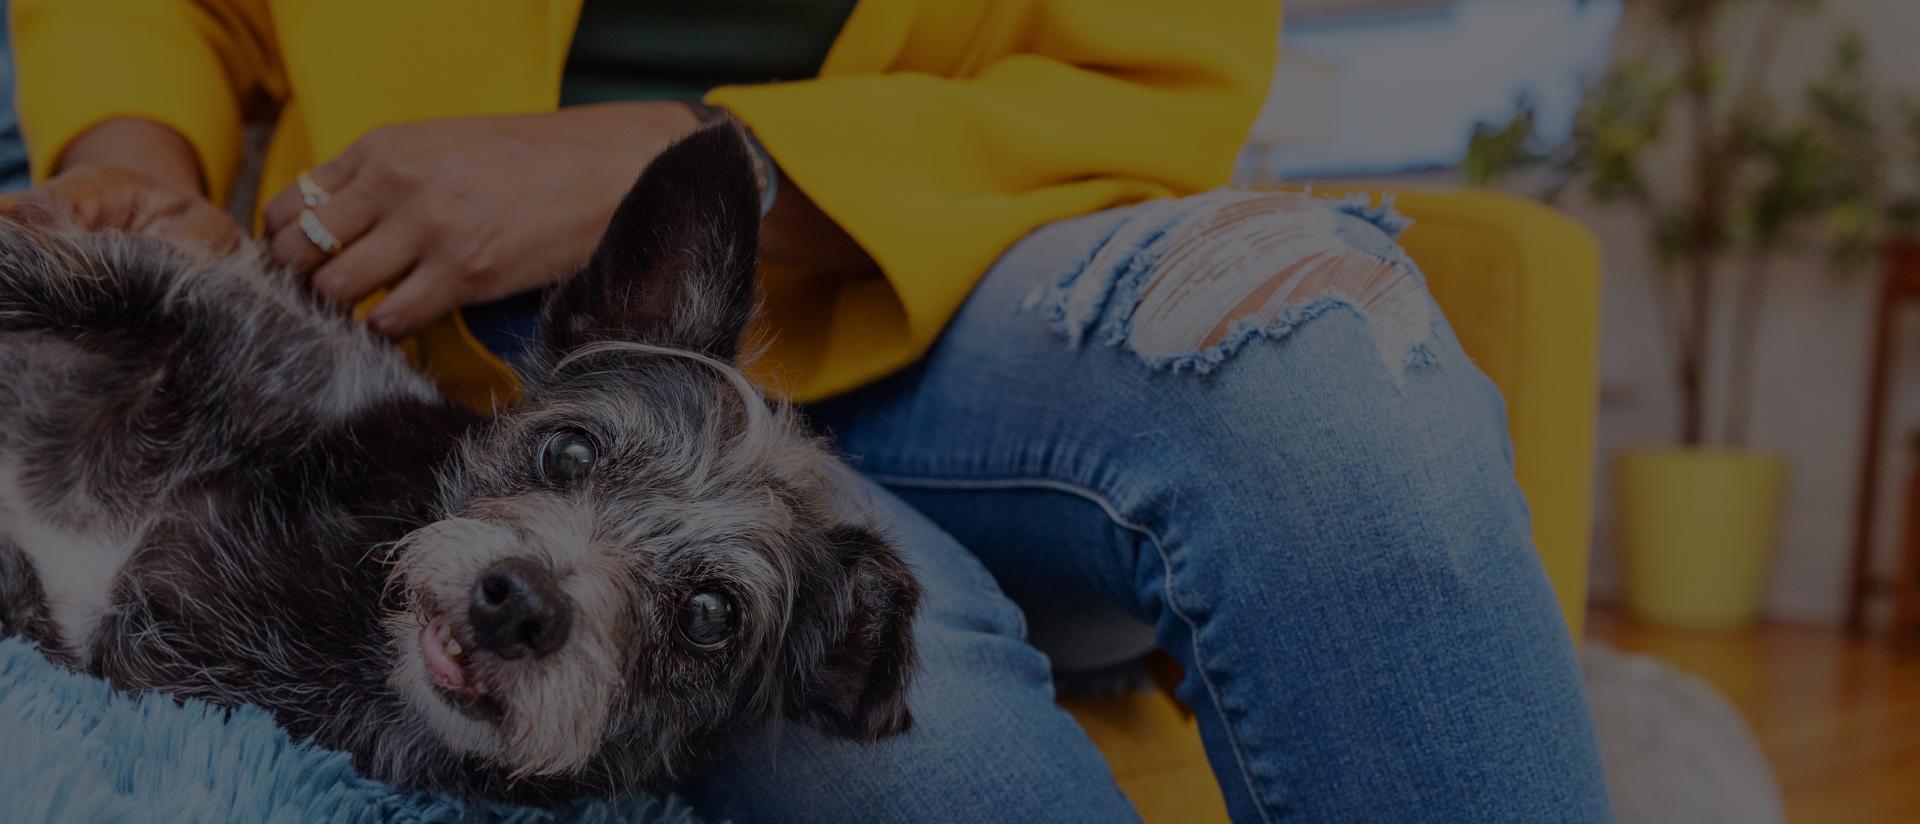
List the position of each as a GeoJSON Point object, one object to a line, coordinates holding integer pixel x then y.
{"type": "Point", "coordinates": [311, 193]}
{"type": "Point", "coordinates": [318, 233]}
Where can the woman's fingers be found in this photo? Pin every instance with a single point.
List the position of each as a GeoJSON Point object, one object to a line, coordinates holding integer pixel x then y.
{"type": "Point", "coordinates": [348, 216]}
{"type": "Point", "coordinates": [376, 260]}
{"type": "Point", "coordinates": [428, 292]}
{"type": "Point", "coordinates": [106, 197]}
{"type": "Point", "coordinates": [33, 209]}
{"type": "Point", "coordinates": [332, 177]}
{"type": "Point", "coordinates": [282, 210]}
{"type": "Point", "coordinates": [194, 224]}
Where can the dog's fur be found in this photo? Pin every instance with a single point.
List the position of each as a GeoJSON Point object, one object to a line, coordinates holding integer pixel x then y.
{"type": "Point", "coordinates": [214, 486]}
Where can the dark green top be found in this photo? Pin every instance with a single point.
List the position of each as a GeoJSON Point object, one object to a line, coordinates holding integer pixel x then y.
{"type": "Point", "coordinates": [680, 49]}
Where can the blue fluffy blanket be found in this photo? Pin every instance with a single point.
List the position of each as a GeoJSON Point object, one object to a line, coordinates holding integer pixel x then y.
{"type": "Point", "coordinates": [73, 750]}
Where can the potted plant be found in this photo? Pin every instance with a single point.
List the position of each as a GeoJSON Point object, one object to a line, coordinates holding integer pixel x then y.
{"type": "Point", "coordinates": [1697, 518]}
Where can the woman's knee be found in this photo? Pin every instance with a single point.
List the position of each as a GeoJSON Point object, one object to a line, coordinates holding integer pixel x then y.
{"type": "Point", "coordinates": [1261, 323]}
{"type": "Point", "coordinates": [1186, 285]}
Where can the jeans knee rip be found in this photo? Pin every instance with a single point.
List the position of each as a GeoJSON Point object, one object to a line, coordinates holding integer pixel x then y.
{"type": "Point", "coordinates": [1185, 284]}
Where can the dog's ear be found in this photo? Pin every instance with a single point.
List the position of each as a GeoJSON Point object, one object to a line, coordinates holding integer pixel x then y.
{"type": "Point", "coordinates": [676, 265]}
{"type": "Point", "coordinates": [859, 690]}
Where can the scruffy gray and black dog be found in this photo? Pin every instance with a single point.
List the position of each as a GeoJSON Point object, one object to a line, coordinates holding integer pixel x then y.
{"type": "Point", "coordinates": [214, 486]}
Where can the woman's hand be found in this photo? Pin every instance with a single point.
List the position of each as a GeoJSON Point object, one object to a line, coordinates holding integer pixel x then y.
{"type": "Point", "coordinates": [135, 176]}
{"type": "Point", "coordinates": [459, 211]}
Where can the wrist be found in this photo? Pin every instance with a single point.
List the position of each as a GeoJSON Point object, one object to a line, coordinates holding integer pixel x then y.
{"type": "Point", "coordinates": [154, 152]}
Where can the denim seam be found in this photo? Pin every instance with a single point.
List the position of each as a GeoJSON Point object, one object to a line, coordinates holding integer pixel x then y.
{"type": "Point", "coordinates": [1166, 562]}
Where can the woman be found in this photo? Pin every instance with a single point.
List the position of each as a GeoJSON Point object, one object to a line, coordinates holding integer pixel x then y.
{"type": "Point", "coordinates": [1101, 418]}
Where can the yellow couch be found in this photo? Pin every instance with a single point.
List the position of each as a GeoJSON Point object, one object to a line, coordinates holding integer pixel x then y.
{"type": "Point", "coordinates": [1521, 285]}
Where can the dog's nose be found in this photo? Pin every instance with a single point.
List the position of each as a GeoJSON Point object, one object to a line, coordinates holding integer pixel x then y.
{"type": "Point", "coordinates": [517, 608]}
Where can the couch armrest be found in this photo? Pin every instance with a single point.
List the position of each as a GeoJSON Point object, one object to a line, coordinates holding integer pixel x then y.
{"type": "Point", "coordinates": [1520, 283]}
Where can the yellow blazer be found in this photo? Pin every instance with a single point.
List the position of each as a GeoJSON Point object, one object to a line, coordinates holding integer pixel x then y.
{"type": "Point", "coordinates": [938, 132]}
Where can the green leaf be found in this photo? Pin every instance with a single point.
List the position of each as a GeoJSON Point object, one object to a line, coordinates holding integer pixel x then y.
{"type": "Point", "coordinates": [1496, 150]}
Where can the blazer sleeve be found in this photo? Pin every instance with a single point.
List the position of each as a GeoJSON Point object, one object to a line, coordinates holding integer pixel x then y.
{"type": "Point", "coordinates": [188, 64]}
{"type": "Point", "coordinates": [1094, 103]}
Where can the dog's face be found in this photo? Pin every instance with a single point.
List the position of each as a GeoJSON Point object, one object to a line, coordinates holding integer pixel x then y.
{"type": "Point", "coordinates": [644, 558]}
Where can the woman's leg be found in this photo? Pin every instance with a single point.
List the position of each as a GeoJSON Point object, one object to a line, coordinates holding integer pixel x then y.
{"type": "Point", "coordinates": [987, 744]}
{"type": "Point", "coordinates": [1236, 426]}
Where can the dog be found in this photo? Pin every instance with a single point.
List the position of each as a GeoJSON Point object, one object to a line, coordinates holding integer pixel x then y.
{"type": "Point", "coordinates": [214, 485]}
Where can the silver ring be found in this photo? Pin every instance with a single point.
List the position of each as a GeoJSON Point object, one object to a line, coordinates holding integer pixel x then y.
{"type": "Point", "coordinates": [318, 233]}
{"type": "Point", "coordinates": [310, 192]}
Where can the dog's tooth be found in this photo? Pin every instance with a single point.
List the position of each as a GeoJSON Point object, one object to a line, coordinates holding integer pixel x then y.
{"type": "Point", "coordinates": [454, 649]}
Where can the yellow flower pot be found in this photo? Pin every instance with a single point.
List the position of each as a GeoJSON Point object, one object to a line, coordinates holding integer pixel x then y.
{"type": "Point", "coordinates": [1697, 526]}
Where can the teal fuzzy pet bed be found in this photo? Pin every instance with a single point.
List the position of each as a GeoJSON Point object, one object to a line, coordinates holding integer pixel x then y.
{"type": "Point", "coordinates": [71, 749]}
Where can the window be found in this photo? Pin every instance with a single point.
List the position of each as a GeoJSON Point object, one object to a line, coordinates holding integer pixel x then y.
{"type": "Point", "coordinates": [1400, 83]}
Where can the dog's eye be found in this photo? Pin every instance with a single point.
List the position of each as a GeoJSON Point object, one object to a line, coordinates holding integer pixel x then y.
{"type": "Point", "coordinates": [567, 457]}
{"type": "Point", "coordinates": [708, 618]}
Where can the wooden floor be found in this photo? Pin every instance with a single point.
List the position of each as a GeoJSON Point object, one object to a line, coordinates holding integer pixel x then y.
{"type": "Point", "coordinates": [1839, 719]}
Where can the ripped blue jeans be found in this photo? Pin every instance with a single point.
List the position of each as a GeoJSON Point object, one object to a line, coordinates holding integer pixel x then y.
{"type": "Point", "coordinates": [1235, 428]}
